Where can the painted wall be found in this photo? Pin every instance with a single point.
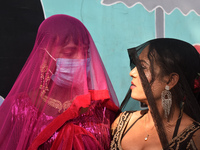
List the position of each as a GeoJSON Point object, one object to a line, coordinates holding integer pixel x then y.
{"type": "Point", "coordinates": [116, 27]}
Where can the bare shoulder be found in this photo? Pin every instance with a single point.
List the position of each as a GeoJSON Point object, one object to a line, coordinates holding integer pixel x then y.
{"type": "Point", "coordinates": [115, 123]}
{"type": "Point", "coordinates": [137, 114]}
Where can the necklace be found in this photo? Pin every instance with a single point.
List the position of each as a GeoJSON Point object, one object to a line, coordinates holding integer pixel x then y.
{"type": "Point", "coordinates": [56, 103]}
{"type": "Point", "coordinates": [147, 136]}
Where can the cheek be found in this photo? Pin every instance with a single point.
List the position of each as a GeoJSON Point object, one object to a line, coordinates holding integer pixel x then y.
{"type": "Point", "coordinates": [148, 76]}
{"type": "Point", "coordinates": [157, 88]}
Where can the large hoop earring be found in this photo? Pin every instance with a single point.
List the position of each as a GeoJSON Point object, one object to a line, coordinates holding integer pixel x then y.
{"type": "Point", "coordinates": [166, 97]}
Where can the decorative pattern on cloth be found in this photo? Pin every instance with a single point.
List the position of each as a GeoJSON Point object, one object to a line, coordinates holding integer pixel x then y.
{"type": "Point", "coordinates": [183, 141]}
{"type": "Point", "coordinates": [83, 134]}
{"type": "Point", "coordinates": [117, 133]}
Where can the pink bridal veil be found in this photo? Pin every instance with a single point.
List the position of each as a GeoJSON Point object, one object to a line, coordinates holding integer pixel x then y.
{"type": "Point", "coordinates": [63, 96]}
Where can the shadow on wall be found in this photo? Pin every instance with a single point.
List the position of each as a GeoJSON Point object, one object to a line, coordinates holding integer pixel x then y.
{"type": "Point", "coordinates": [19, 23]}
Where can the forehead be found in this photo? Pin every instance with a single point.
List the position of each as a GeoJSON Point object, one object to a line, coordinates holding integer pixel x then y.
{"type": "Point", "coordinates": [152, 61]}
{"type": "Point", "coordinates": [144, 54]}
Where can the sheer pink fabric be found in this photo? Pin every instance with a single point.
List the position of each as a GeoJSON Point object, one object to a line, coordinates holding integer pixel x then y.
{"type": "Point", "coordinates": [63, 98]}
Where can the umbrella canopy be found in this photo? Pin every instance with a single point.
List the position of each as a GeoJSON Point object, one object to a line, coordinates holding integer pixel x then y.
{"type": "Point", "coordinates": [160, 7]}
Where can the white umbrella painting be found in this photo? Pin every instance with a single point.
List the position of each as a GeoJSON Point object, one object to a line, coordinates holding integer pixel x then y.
{"type": "Point", "coordinates": [161, 7]}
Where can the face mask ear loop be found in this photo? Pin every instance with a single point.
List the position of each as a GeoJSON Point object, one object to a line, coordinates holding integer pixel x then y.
{"type": "Point", "coordinates": [50, 55]}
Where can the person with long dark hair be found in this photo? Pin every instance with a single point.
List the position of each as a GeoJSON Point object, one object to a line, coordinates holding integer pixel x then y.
{"type": "Point", "coordinates": [166, 77]}
{"type": "Point", "coordinates": [63, 97]}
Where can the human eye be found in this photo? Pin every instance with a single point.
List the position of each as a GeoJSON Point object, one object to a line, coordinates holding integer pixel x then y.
{"type": "Point", "coordinates": [69, 51]}
{"type": "Point", "coordinates": [144, 65]}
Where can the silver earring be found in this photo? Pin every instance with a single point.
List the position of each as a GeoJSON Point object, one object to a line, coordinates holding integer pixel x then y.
{"type": "Point", "coordinates": [166, 97]}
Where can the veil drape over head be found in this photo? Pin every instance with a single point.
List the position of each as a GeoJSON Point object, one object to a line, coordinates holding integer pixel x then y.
{"type": "Point", "coordinates": [63, 96]}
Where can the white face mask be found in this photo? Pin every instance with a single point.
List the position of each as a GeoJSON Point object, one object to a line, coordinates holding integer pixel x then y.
{"type": "Point", "coordinates": [67, 71]}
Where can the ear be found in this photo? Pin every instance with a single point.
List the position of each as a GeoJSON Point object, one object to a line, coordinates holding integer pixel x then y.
{"type": "Point", "coordinates": [173, 80]}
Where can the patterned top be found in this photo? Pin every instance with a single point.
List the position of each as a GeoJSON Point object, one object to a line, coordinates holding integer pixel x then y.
{"type": "Point", "coordinates": [183, 141]}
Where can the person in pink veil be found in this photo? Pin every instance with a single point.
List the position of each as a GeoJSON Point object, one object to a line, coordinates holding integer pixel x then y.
{"type": "Point", "coordinates": [63, 97]}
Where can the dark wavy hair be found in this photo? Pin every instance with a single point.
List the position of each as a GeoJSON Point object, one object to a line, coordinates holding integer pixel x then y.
{"type": "Point", "coordinates": [171, 55]}
{"type": "Point", "coordinates": [177, 56]}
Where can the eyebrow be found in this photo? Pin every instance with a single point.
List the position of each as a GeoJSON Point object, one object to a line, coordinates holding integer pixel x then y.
{"type": "Point", "coordinates": [69, 46]}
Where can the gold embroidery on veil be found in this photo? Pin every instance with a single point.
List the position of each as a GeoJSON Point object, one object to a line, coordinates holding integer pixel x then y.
{"type": "Point", "coordinates": [56, 103]}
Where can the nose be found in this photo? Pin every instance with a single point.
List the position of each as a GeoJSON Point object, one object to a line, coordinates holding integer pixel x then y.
{"type": "Point", "coordinates": [133, 73]}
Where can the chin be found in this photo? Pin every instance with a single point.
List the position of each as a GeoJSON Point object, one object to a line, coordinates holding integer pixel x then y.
{"type": "Point", "coordinates": [140, 99]}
